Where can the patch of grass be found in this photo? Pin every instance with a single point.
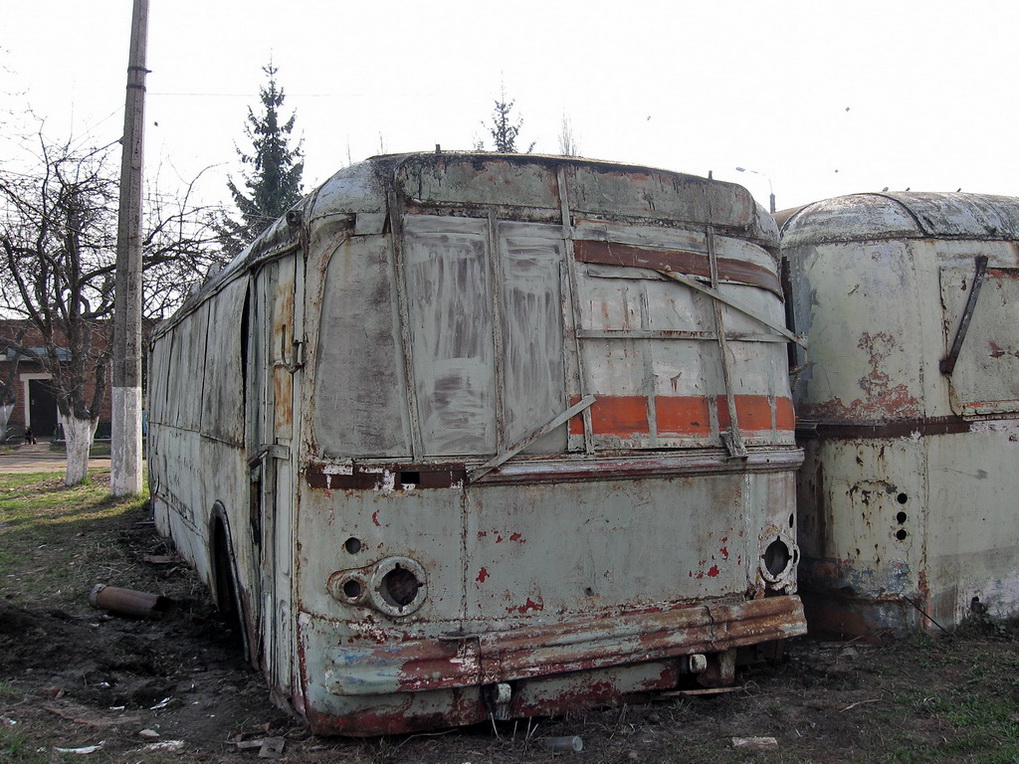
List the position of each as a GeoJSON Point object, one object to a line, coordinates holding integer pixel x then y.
{"type": "Point", "coordinates": [14, 745]}
{"type": "Point", "coordinates": [18, 746]}
{"type": "Point", "coordinates": [57, 542]}
{"type": "Point", "coordinates": [974, 713]}
{"type": "Point", "coordinates": [98, 449]}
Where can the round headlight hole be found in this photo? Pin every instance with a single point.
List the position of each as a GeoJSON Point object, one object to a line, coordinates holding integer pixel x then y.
{"type": "Point", "coordinates": [777, 557]}
{"type": "Point", "coordinates": [399, 587]}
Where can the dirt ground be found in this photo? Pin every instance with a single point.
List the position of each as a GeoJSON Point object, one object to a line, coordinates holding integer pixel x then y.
{"type": "Point", "coordinates": [178, 690]}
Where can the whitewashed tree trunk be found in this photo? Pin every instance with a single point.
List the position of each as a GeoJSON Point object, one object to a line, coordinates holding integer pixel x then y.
{"type": "Point", "coordinates": [79, 434]}
{"type": "Point", "coordinates": [5, 416]}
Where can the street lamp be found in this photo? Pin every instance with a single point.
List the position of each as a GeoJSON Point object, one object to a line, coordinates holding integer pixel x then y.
{"type": "Point", "coordinates": [770, 187]}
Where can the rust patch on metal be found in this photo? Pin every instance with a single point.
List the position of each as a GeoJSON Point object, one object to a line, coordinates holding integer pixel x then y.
{"type": "Point", "coordinates": [283, 401]}
{"type": "Point", "coordinates": [527, 607]}
{"type": "Point", "coordinates": [375, 477]}
{"type": "Point", "coordinates": [846, 615]}
{"type": "Point", "coordinates": [894, 399]}
{"type": "Point", "coordinates": [678, 261]}
{"type": "Point", "coordinates": [883, 400]}
{"type": "Point", "coordinates": [903, 428]}
{"type": "Point", "coordinates": [465, 659]}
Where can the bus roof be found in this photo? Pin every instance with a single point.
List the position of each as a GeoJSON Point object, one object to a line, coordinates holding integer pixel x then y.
{"type": "Point", "coordinates": [520, 186]}
{"type": "Point", "coordinates": [906, 215]}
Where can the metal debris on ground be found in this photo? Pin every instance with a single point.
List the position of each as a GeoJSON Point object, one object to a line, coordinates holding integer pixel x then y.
{"type": "Point", "coordinates": [756, 743]}
{"type": "Point", "coordinates": [84, 750]}
{"type": "Point", "coordinates": [243, 745]}
{"type": "Point", "coordinates": [272, 748]}
{"type": "Point", "coordinates": [166, 703]}
{"type": "Point", "coordinates": [566, 743]}
{"type": "Point", "coordinates": [130, 602]}
{"type": "Point", "coordinates": [171, 746]}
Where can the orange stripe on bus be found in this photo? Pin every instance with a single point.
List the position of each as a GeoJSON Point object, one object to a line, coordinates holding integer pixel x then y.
{"type": "Point", "coordinates": [683, 415]}
{"type": "Point", "coordinates": [620, 415]}
{"type": "Point", "coordinates": [785, 416]}
{"type": "Point", "coordinates": [753, 412]}
{"type": "Point", "coordinates": [626, 415]}
{"type": "Point", "coordinates": [614, 415]}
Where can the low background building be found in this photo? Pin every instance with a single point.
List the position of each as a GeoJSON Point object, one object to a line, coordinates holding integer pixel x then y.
{"type": "Point", "coordinates": [35, 403]}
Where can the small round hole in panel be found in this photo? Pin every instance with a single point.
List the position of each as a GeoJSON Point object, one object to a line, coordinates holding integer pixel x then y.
{"type": "Point", "coordinates": [352, 589]}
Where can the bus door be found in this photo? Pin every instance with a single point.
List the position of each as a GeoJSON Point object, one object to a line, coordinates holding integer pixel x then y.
{"type": "Point", "coordinates": [276, 330]}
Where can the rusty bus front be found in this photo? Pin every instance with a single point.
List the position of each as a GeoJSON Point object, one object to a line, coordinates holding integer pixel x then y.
{"type": "Point", "coordinates": [909, 405]}
{"type": "Point", "coordinates": [530, 444]}
{"type": "Point", "coordinates": [549, 440]}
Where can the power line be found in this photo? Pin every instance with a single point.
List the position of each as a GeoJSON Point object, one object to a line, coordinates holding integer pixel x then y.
{"type": "Point", "coordinates": [289, 95]}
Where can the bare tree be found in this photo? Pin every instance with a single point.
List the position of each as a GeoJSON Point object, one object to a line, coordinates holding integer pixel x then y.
{"type": "Point", "coordinates": [57, 236]}
{"type": "Point", "coordinates": [568, 145]}
{"type": "Point", "coordinates": [58, 229]}
{"type": "Point", "coordinates": [8, 380]}
{"type": "Point", "coordinates": [181, 246]}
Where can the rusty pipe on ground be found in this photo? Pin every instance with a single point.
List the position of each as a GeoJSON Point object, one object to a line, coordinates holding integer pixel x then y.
{"type": "Point", "coordinates": [130, 602]}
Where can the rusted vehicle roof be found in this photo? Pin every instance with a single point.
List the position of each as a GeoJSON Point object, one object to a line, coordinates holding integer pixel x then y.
{"type": "Point", "coordinates": [908, 215]}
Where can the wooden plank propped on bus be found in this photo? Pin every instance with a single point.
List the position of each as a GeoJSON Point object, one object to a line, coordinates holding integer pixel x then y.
{"type": "Point", "coordinates": [479, 472]}
{"type": "Point", "coordinates": [715, 294]}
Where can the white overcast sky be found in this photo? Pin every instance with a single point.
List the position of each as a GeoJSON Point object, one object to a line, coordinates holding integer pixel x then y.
{"type": "Point", "coordinates": [821, 98]}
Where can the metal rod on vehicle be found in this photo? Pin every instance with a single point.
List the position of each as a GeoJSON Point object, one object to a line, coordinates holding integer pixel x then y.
{"type": "Point", "coordinates": [947, 364]}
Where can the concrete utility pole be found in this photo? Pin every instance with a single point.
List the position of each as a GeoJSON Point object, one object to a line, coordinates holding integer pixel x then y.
{"type": "Point", "coordinates": [126, 456]}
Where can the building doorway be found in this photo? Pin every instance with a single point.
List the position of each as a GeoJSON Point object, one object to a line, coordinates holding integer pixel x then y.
{"type": "Point", "coordinates": [42, 408]}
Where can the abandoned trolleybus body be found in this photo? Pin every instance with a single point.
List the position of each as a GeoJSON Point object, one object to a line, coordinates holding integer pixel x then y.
{"type": "Point", "coordinates": [484, 435]}
{"type": "Point", "coordinates": [910, 405]}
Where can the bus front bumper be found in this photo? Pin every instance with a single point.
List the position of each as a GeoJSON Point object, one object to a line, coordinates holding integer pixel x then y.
{"type": "Point", "coordinates": [393, 687]}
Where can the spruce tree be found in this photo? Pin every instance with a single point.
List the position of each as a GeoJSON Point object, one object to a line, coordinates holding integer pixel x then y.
{"type": "Point", "coordinates": [504, 129]}
{"type": "Point", "coordinates": [274, 181]}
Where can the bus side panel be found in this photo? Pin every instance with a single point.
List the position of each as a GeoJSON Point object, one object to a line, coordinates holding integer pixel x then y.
{"type": "Point", "coordinates": [971, 538]}
{"type": "Point", "coordinates": [197, 457]}
{"type": "Point", "coordinates": [861, 566]}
